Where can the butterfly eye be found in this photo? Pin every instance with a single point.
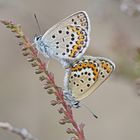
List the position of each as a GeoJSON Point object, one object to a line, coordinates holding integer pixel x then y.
{"type": "Point", "coordinates": [76, 104]}
{"type": "Point", "coordinates": [37, 38]}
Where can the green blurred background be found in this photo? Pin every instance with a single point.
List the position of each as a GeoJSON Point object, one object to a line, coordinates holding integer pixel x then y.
{"type": "Point", "coordinates": [115, 33]}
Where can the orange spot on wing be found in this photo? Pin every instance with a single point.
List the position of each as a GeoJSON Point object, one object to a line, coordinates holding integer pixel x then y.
{"type": "Point", "coordinates": [106, 66]}
{"type": "Point", "coordinates": [87, 65]}
{"type": "Point", "coordinates": [79, 43]}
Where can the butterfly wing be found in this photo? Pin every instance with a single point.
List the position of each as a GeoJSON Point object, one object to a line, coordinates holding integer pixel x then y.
{"type": "Point", "coordinates": [88, 74]}
{"type": "Point", "coordinates": [69, 38]}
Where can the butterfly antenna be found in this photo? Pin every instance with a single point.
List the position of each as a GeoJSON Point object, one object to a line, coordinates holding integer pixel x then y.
{"type": "Point", "coordinates": [37, 23]}
{"type": "Point", "coordinates": [90, 111]}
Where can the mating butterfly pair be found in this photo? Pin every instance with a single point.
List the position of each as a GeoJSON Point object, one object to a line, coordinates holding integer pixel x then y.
{"type": "Point", "coordinates": [67, 42]}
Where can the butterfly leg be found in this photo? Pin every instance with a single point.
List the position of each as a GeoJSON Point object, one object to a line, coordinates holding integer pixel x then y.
{"type": "Point", "coordinates": [67, 91]}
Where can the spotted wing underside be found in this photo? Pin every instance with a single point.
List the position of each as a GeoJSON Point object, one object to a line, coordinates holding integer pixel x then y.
{"type": "Point", "coordinates": [69, 38]}
{"type": "Point", "coordinates": [88, 74]}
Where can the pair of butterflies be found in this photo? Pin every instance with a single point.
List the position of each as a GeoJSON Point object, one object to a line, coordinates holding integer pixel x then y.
{"type": "Point", "coordinates": [67, 42]}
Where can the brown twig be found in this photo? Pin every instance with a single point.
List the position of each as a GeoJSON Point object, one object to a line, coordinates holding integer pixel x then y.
{"type": "Point", "coordinates": [22, 132]}
{"type": "Point", "coordinates": [48, 79]}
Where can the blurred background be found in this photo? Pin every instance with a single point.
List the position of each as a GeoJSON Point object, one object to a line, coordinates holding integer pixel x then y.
{"type": "Point", "coordinates": [115, 34]}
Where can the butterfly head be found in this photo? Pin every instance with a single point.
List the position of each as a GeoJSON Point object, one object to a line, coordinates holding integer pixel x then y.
{"type": "Point", "coordinates": [41, 47]}
{"type": "Point", "coordinates": [70, 99]}
{"type": "Point", "coordinates": [76, 104]}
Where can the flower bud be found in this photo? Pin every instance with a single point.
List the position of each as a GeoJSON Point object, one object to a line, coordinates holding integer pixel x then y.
{"type": "Point", "coordinates": [38, 71]}
{"type": "Point", "coordinates": [62, 122]}
{"type": "Point", "coordinates": [30, 59]}
{"type": "Point", "coordinates": [46, 86]}
{"type": "Point", "coordinates": [42, 78]}
{"type": "Point", "coordinates": [61, 110]}
{"type": "Point", "coordinates": [24, 48]}
{"type": "Point", "coordinates": [53, 102]}
{"type": "Point", "coordinates": [34, 64]}
{"type": "Point", "coordinates": [20, 43]}
{"type": "Point", "coordinates": [50, 91]}
{"type": "Point", "coordinates": [18, 36]}
{"type": "Point", "coordinates": [70, 131]}
{"type": "Point", "coordinates": [25, 53]}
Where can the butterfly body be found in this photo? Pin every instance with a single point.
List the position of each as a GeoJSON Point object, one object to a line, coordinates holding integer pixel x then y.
{"type": "Point", "coordinates": [66, 41]}
{"type": "Point", "coordinates": [85, 76]}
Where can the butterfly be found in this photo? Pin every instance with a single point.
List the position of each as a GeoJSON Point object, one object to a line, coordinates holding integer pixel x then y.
{"type": "Point", "coordinates": [66, 41]}
{"type": "Point", "coordinates": [84, 77]}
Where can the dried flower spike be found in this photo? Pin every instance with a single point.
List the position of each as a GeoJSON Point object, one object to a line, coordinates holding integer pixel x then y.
{"type": "Point", "coordinates": [46, 77]}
